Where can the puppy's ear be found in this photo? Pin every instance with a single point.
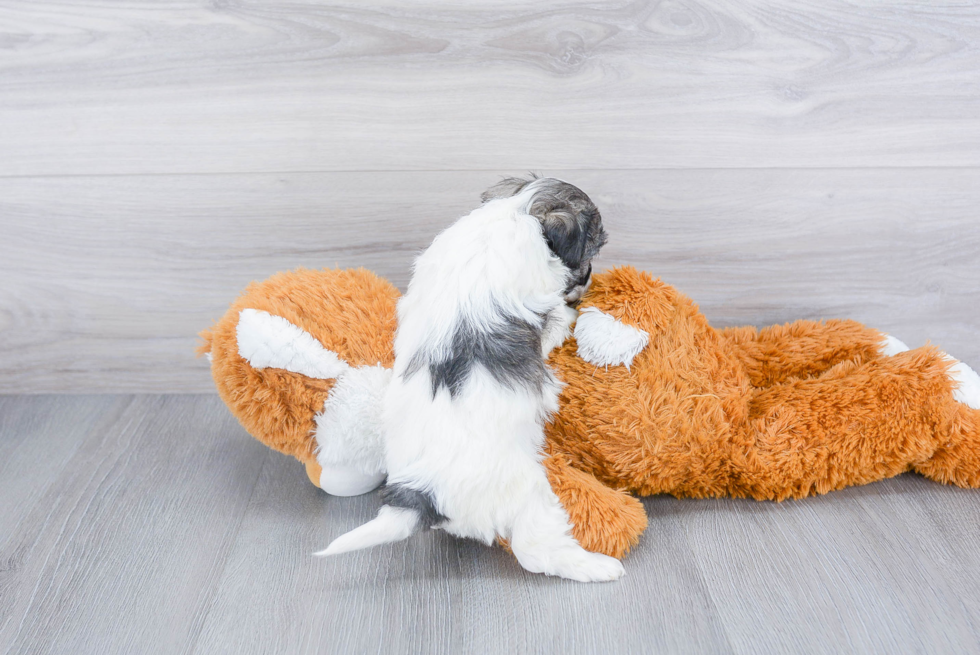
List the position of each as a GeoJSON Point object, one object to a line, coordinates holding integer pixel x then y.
{"type": "Point", "coordinates": [570, 222]}
{"type": "Point", "coordinates": [507, 187]}
{"type": "Point", "coordinates": [564, 236]}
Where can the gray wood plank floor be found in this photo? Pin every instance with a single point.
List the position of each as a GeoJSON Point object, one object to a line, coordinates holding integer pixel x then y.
{"type": "Point", "coordinates": [154, 524]}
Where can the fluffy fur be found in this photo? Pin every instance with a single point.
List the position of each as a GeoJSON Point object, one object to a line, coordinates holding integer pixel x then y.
{"type": "Point", "coordinates": [268, 341]}
{"type": "Point", "coordinates": [604, 341]}
{"type": "Point", "coordinates": [464, 414]}
{"type": "Point", "coordinates": [780, 412]}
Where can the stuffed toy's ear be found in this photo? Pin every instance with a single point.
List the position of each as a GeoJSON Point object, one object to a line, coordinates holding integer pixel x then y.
{"type": "Point", "coordinates": [603, 340]}
{"type": "Point", "coordinates": [269, 341]}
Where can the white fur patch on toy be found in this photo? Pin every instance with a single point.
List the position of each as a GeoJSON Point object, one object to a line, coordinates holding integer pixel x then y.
{"type": "Point", "coordinates": [350, 446]}
{"type": "Point", "coordinates": [602, 340]}
{"type": "Point", "coordinates": [269, 341]}
{"type": "Point", "coordinates": [349, 432]}
{"type": "Point", "coordinates": [343, 481]}
{"type": "Point", "coordinates": [892, 346]}
{"type": "Point", "coordinates": [967, 381]}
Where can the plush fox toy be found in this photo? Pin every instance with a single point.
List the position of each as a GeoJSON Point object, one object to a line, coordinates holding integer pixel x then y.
{"type": "Point", "coordinates": [655, 399]}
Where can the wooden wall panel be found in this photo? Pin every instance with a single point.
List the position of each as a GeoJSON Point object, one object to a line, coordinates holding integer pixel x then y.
{"type": "Point", "coordinates": [773, 159]}
{"type": "Point", "coordinates": [188, 87]}
{"type": "Point", "coordinates": [107, 280]}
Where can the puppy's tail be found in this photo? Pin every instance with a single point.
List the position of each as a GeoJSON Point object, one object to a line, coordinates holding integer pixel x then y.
{"type": "Point", "coordinates": [405, 511]}
{"type": "Point", "coordinates": [391, 524]}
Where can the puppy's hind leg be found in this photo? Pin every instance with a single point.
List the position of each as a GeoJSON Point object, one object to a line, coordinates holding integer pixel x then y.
{"type": "Point", "coordinates": [542, 542]}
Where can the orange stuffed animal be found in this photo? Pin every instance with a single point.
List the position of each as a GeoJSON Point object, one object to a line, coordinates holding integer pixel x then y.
{"type": "Point", "coordinates": [656, 400]}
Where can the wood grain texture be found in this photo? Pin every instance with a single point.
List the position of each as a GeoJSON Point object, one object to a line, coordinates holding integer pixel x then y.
{"type": "Point", "coordinates": [434, 594]}
{"type": "Point", "coordinates": [105, 281]}
{"type": "Point", "coordinates": [865, 565]}
{"type": "Point", "coordinates": [122, 551]}
{"type": "Point", "coordinates": [39, 439]}
{"type": "Point", "coordinates": [227, 86]}
{"type": "Point", "coordinates": [168, 530]}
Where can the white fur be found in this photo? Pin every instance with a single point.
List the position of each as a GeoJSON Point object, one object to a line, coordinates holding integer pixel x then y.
{"type": "Point", "coordinates": [341, 480]}
{"type": "Point", "coordinates": [391, 524]}
{"type": "Point", "coordinates": [603, 340]}
{"type": "Point", "coordinates": [557, 331]}
{"type": "Point", "coordinates": [269, 341]}
{"type": "Point", "coordinates": [478, 455]}
{"type": "Point", "coordinates": [349, 432]}
{"type": "Point", "coordinates": [892, 346]}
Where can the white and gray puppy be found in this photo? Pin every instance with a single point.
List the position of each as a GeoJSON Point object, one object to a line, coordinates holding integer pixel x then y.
{"type": "Point", "coordinates": [465, 412]}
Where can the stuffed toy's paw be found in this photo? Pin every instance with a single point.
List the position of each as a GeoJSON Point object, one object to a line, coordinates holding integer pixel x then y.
{"type": "Point", "coordinates": [604, 341]}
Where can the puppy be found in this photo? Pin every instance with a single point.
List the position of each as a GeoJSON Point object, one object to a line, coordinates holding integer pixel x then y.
{"type": "Point", "coordinates": [464, 414]}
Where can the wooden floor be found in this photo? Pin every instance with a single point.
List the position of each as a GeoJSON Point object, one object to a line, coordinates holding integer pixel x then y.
{"type": "Point", "coordinates": [154, 524]}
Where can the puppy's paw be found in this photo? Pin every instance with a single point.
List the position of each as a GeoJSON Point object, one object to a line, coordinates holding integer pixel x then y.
{"type": "Point", "coordinates": [583, 566]}
{"type": "Point", "coordinates": [557, 328]}
{"type": "Point", "coordinates": [570, 315]}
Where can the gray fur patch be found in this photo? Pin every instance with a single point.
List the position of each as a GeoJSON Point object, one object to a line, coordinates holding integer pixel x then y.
{"type": "Point", "coordinates": [571, 224]}
{"type": "Point", "coordinates": [570, 221]}
{"type": "Point", "coordinates": [398, 495]}
{"type": "Point", "coordinates": [510, 351]}
{"type": "Point", "coordinates": [507, 187]}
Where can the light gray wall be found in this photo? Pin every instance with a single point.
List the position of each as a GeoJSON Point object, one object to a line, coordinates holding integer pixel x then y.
{"type": "Point", "coordinates": [774, 160]}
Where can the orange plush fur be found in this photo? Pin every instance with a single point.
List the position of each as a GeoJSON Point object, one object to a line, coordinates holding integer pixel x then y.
{"type": "Point", "coordinates": [783, 412]}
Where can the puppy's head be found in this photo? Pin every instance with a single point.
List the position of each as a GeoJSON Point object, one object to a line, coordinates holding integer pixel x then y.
{"type": "Point", "coordinates": [570, 222]}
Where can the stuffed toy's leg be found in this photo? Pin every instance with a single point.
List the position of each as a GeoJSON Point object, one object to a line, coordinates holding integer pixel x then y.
{"type": "Point", "coordinates": [856, 423]}
{"type": "Point", "coordinates": [802, 349]}
{"type": "Point", "coordinates": [604, 520]}
{"type": "Point", "coordinates": [957, 460]}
